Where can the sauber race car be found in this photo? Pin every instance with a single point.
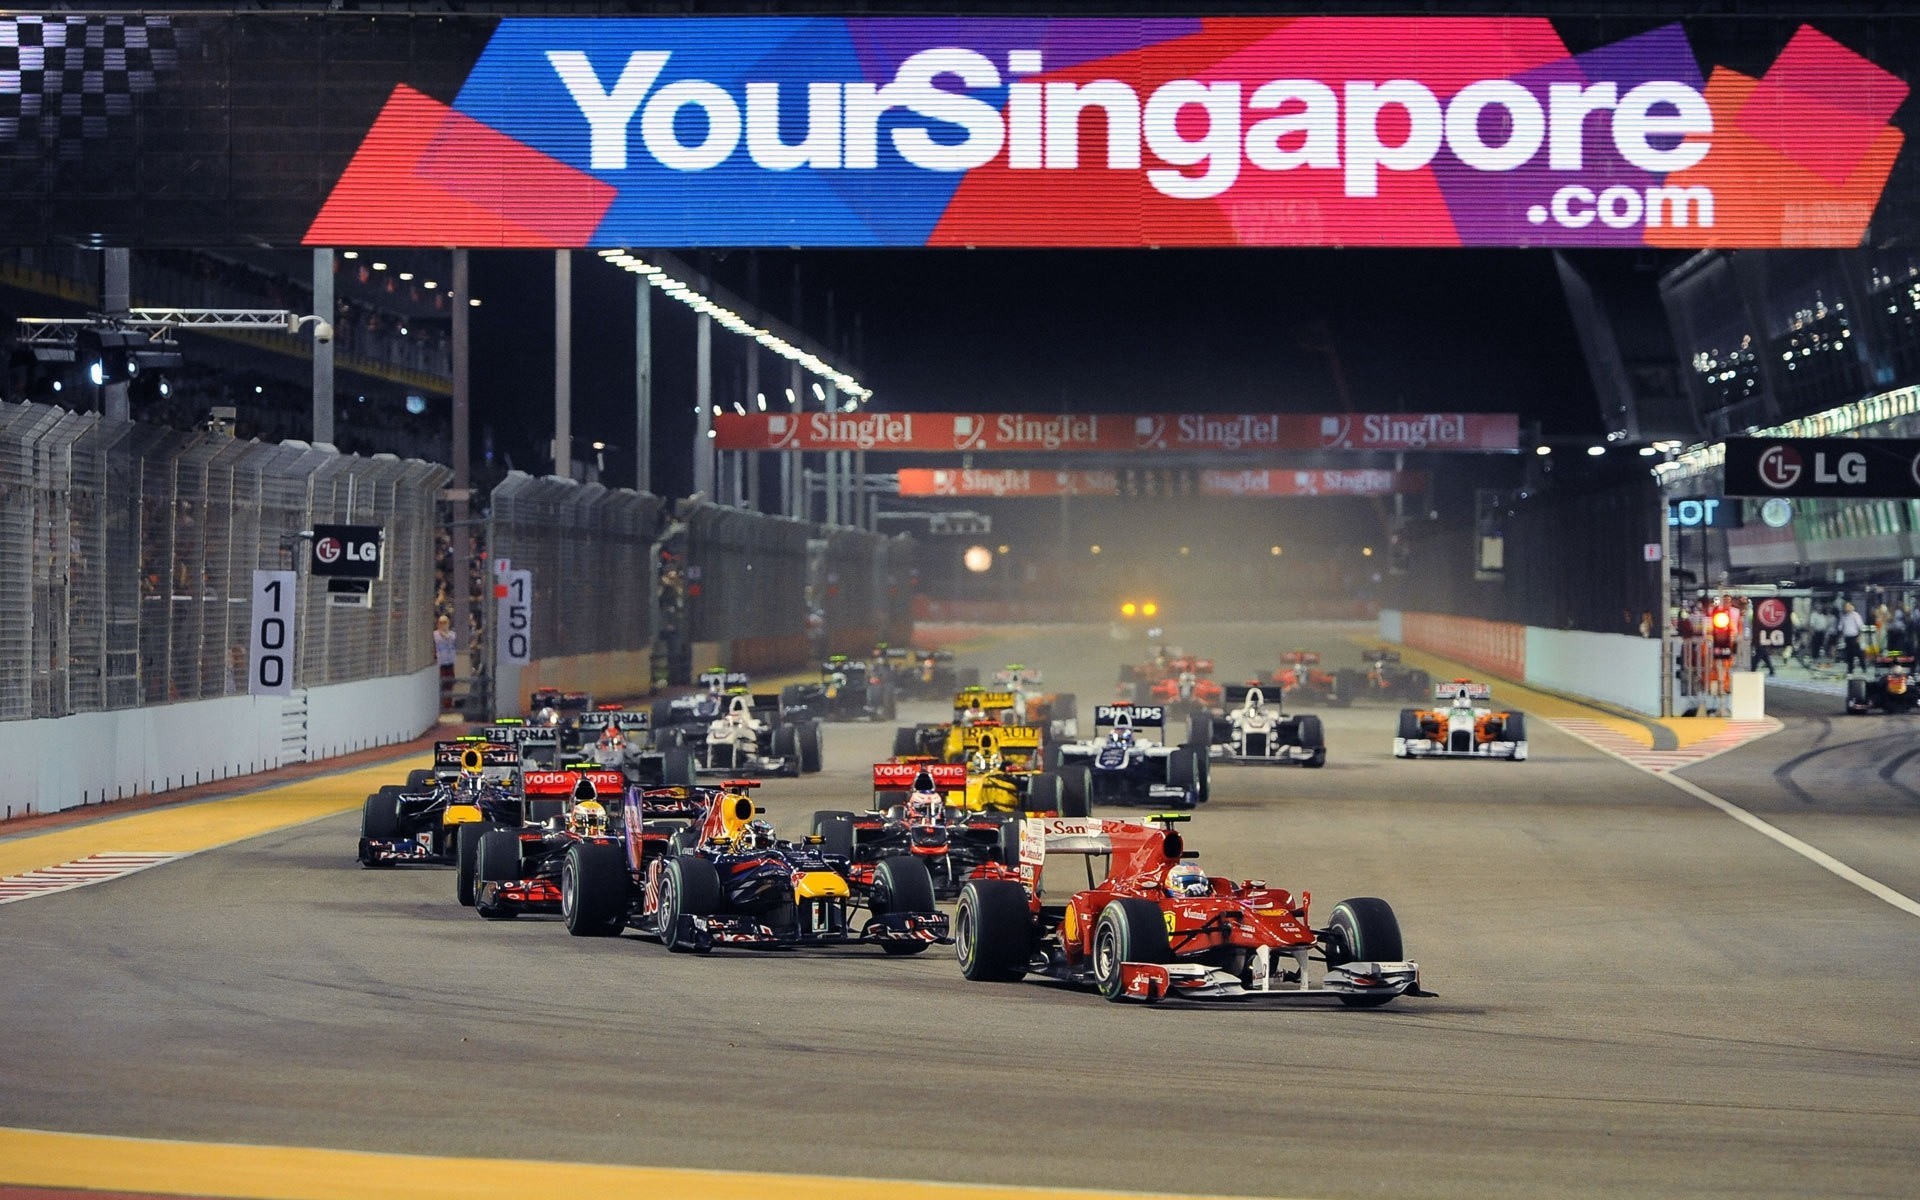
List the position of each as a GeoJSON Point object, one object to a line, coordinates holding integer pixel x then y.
{"type": "Point", "coordinates": [917, 811]}
{"type": "Point", "coordinates": [1302, 678]}
{"type": "Point", "coordinates": [1252, 729]}
{"type": "Point", "coordinates": [850, 689]}
{"type": "Point", "coordinates": [1891, 688]}
{"type": "Point", "coordinates": [1462, 728]}
{"type": "Point", "coordinates": [473, 781]}
{"type": "Point", "coordinates": [1126, 767]}
{"type": "Point", "coordinates": [685, 718]}
{"type": "Point", "coordinates": [729, 881]}
{"type": "Point", "coordinates": [750, 735]}
{"type": "Point", "coordinates": [528, 869]}
{"type": "Point", "coordinates": [1150, 924]}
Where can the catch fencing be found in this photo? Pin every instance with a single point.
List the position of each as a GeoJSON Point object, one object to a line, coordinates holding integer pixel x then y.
{"type": "Point", "coordinates": [590, 549]}
{"type": "Point", "coordinates": [127, 554]}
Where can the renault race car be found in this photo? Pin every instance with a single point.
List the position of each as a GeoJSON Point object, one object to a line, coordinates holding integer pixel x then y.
{"type": "Point", "coordinates": [1251, 728]}
{"type": "Point", "coordinates": [1461, 725]}
{"type": "Point", "coordinates": [729, 881]}
{"type": "Point", "coordinates": [850, 689]}
{"type": "Point", "coordinates": [473, 781]}
{"type": "Point", "coordinates": [1150, 924]}
{"type": "Point", "coordinates": [1126, 767]}
{"type": "Point", "coordinates": [1891, 688]}
{"type": "Point", "coordinates": [751, 737]}
{"type": "Point", "coordinates": [947, 740]}
{"type": "Point", "coordinates": [525, 869]}
{"type": "Point", "coordinates": [923, 674]}
{"type": "Point", "coordinates": [919, 810]}
{"type": "Point", "coordinates": [1004, 772]}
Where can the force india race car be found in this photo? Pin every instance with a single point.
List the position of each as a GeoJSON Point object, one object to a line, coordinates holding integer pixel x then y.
{"type": "Point", "coordinates": [1464, 728]}
{"type": "Point", "coordinates": [1127, 768]}
{"type": "Point", "coordinates": [729, 881]}
{"type": "Point", "coordinates": [1150, 924]}
{"type": "Point", "coordinates": [472, 781]}
{"type": "Point", "coordinates": [1254, 730]}
{"type": "Point", "coordinates": [914, 814]}
{"type": "Point", "coordinates": [1891, 688]}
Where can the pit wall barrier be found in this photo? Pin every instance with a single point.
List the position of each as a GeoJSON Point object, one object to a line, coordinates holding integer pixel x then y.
{"type": "Point", "coordinates": [1613, 668]}
{"type": "Point", "coordinates": [64, 762]}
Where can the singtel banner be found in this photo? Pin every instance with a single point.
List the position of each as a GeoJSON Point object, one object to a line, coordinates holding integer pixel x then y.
{"type": "Point", "coordinates": [1015, 483]}
{"type": "Point", "coordinates": [342, 129]}
{"type": "Point", "coordinates": [946, 433]}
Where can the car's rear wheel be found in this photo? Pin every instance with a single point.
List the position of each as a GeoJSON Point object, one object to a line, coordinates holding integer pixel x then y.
{"type": "Point", "coordinates": [836, 831]}
{"type": "Point", "coordinates": [1046, 792]}
{"type": "Point", "coordinates": [1857, 696]}
{"type": "Point", "coordinates": [809, 745]}
{"type": "Point", "coordinates": [689, 886]}
{"type": "Point", "coordinates": [499, 862]}
{"type": "Point", "coordinates": [1128, 930]}
{"type": "Point", "coordinates": [676, 767]}
{"type": "Point", "coordinates": [593, 890]}
{"type": "Point", "coordinates": [906, 741]}
{"type": "Point", "coordinates": [901, 885]}
{"type": "Point", "coordinates": [1200, 729]}
{"type": "Point", "coordinates": [1076, 796]}
{"type": "Point", "coordinates": [1363, 929]}
{"type": "Point", "coordinates": [993, 930]}
{"type": "Point", "coordinates": [466, 860]}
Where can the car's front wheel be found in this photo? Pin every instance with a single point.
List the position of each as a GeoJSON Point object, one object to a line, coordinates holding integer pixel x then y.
{"type": "Point", "coordinates": [1128, 930]}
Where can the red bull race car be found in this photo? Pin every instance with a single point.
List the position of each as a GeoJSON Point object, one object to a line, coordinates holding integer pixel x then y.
{"type": "Point", "coordinates": [1150, 924]}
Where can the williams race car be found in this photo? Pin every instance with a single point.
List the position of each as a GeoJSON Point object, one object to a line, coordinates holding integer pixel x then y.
{"type": "Point", "coordinates": [1253, 729]}
{"type": "Point", "coordinates": [1150, 924]}
{"type": "Point", "coordinates": [1126, 767]}
{"type": "Point", "coordinates": [729, 881]}
{"type": "Point", "coordinates": [1891, 688]}
{"type": "Point", "coordinates": [1464, 728]}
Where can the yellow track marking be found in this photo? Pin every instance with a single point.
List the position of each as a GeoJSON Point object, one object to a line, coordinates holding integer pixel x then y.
{"type": "Point", "coordinates": [35, 1158]}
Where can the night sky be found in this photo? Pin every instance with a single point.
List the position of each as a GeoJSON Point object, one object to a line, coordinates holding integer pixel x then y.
{"type": "Point", "coordinates": [1231, 330]}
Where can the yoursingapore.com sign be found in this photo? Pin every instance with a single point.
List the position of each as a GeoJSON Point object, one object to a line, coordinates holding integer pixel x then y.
{"type": "Point", "coordinates": [1088, 132]}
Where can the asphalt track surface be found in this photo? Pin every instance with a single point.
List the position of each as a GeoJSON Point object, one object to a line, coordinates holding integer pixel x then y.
{"type": "Point", "coordinates": [1638, 996]}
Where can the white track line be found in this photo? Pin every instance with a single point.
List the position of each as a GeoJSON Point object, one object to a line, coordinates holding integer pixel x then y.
{"type": "Point", "coordinates": [1813, 854]}
{"type": "Point", "coordinates": [81, 872]}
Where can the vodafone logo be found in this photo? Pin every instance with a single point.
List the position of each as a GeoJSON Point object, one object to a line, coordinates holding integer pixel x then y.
{"type": "Point", "coordinates": [328, 549]}
{"type": "Point", "coordinates": [1780, 467]}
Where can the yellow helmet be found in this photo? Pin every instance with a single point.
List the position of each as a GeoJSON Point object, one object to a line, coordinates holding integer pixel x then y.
{"type": "Point", "coordinates": [589, 819]}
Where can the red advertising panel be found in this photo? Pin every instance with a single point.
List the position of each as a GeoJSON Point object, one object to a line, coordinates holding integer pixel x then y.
{"type": "Point", "coordinates": [923, 481]}
{"type": "Point", "coordinates": [945, 433]}
{"type": "Point", "coordinates": [1310, 483]}
{"type": "Point", "coordinates": [1014, 483]}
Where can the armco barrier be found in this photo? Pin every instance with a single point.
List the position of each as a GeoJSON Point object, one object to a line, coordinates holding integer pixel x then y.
{"type": "Point", "coordinates": [64, 762]}
{"type": "Point", "coordinates": [1495, 646]}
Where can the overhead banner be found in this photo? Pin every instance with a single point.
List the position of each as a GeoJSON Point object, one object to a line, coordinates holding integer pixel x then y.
{"type": "Point", "coordinates": [1013, 483]}
{"type": "Point", "coordinates": [945, 433]}
{"type": "Point", "coordinates": [1310, 483]}
{"type": "Point", "coordinates": [922, 481]}
{"type": "Point", "coordinates": [1863, 468]}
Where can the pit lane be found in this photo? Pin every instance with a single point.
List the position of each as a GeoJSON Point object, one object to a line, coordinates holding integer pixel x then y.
{"type": "Point", "coordinates": [1638, 997]}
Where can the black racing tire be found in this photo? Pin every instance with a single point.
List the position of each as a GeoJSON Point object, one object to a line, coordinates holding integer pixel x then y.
{"type": "Point", "coordinates": [1127, 930]}
{"type": "Point", "coordinates": [594, 890]}
{"type": "Point", "coordinates": [1183, 769]}
{"type": "Point", "coordinates": [1410, 725]}
{"type": "Point", "coordinates": [498, 862]}
{"type": "Point", "coordinates": [466, 859]}
{"type": "Point", "coordinates": [1076, 798]}
{"type": "Point", "coordinates": [786, 744]}
{"type": "Point", "coordinates": [688, 886]}
{"type": "Point", "coordinates": [1857, 697]}
{"type": "Point", "coordinates": [662, 714]}
{"type": "Point", "coordinates": [901, 884]}
{"type": "Point", "coordinates": [836, 831]}
{"type": "Point", "coordinates": [677, 767]}
{"type": "Point", "coordinates": [1516, 728]}
{"type": "Point", "coordinates": [1206, 773]}
{"type": "Point", "coordinates": [1008, 852]}
{"type": "Point", "coordinates": [380, 818]}
{"type": "Point", "coordinates": [993, 931]}
{"type": "Point", "coordinates": [1348, 686]}
{"type": "Point", "coordinates": [1312, 734]}
{"type": "Point", "coordinates": [808, 742]}
{"type": "Point", "coordinates": [1364, 929]}
{"type": "Point", "coordinates": [1046, 792]}
{"type": "Point", "coordinates": [791, 695]}
{"type": "Point", "coordinates": [1200, 729]}
{"type": "Point", "coordinates": [906, 741]}
{"type": "Point", "coordinates": [420, 777]}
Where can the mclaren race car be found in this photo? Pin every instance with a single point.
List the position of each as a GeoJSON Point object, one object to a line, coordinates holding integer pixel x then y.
{"type": "Point", "coordinates": [1891, 688]}
{"type": "Point", "coordinates": [1150, 924]}
{"type": "Point", "coordinates": [1253, 729]}
{"type": "Point", "coordinates": [919, 811]}
{"type": "Point", "coordinates": [1461, 725]}
{"type": "Point", "coordinates": [730, 881]}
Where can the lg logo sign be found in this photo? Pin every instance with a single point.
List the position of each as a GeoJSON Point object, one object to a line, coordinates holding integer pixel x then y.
{"type": "Point", "coordinates": [1853, 467]}
{"type": "Point", "coordinates": [330, 549]}
{"type": "Point", "coordinates": [1781, 468]}
{"type": "Point", "coordinates": [346, 551]}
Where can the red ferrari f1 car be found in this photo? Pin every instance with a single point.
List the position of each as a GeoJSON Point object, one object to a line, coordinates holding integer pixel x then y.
{"type": "Point", "coordinates": [1152, 925]}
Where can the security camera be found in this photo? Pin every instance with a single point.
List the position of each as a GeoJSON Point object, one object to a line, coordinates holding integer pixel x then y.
{"type": "Point", "coordinates": [322, 331]}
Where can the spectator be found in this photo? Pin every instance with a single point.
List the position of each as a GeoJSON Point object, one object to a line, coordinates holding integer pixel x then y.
{"type": "Point", "coordinates": [1897, 629]}
{"type": "Point", "coordinates": [443, 651]}
{"type": "Point", "coordinates": [1850, 627]}
{"type": "Point", "coordinates": [1819, 632]}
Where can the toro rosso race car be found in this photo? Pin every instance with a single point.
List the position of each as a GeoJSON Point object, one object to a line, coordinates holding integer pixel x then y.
{"type": "Point", "coordinates": [1464, 727]}
{"type": "Point", "coordinates": [914, 813]}
{"type": "Point", "coordinates": [1125, 767]}
{"type": "Point", "coordinates": [1386, 678]}
{"type": "Point", "coordinates": [1301, 676]}
{"type": "Point", "coordinates": [1150, 924]}
{"type": "Point", "coordinates": [1254, 730]}
{"type": "Point", "coordinates": [1891, 688]}
{"type": "Point", "coordinates": [472, 781]}
{"type": "Point", "coordinates": [729, 881]}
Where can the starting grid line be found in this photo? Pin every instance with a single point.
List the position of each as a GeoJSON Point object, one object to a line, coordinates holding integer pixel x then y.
{"type": "Point", "coordinates": [81, 872]}
{"type": "Point", "coordinates": [1601, 736]}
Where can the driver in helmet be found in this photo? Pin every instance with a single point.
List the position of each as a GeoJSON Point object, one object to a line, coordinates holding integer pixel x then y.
{"type": "Point", "coordinates": [925, 803]}
{"type": "Point", "coordinates": [985, 757]}
{"type": "Point", "coordinates": [757, 835]}
{"type": "Point", "coordinates": [545, 716]}
{"type": "Point", "coordinates": [612, 746]}
{"type": "Point", "coordinates": [588, 819]}
{"type": "Point", "coordinates": [1121, 734]}
{"type": "Point", "coordinates": [1187, 879]}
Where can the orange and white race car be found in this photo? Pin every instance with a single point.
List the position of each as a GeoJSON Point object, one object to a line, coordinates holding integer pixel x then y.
{"type": "Point", "coordinates": [1462, 724]}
